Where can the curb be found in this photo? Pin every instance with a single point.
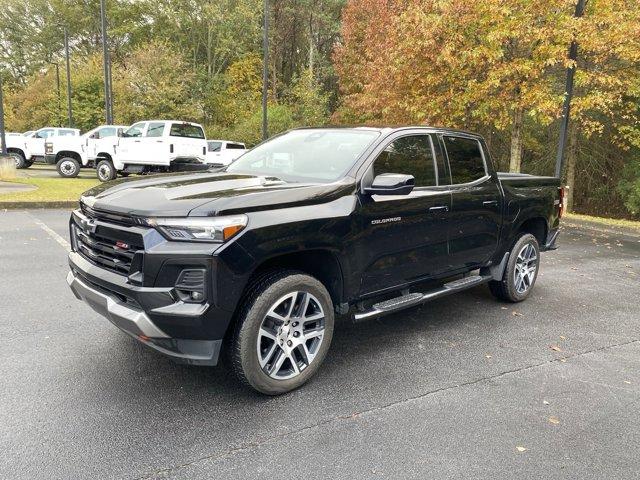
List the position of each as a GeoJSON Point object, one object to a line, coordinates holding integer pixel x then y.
{"type": "Point", "coordinates": [37, 205]}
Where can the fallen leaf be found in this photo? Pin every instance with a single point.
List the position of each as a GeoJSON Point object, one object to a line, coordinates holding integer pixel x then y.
{"type": "Point", "coordinates": [555, 420]}
{"type": "Point", "coordinates": [516, 314]}
{"type": "Point", "coordinates": [545, 402]}
{"type": "Point", "coordinates": [521, 449]}
{"type": "Point", "coordinates": [504, 308]}
{"type": "Point", "coordinates": [627, 382]}
{"type": "Point", "coordinates": [555, 348]}
{"type": "Point", "coordinates": [562, 337]}
{"type": "Point", "coordinates": [488, 356]}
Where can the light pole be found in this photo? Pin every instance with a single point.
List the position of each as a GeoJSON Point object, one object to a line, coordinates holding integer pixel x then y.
{"type": "Point", "coordinates": [66, 54]}
{"type": "Point", "coordinates": [3, 149]}
{"type": "Point", "coordinates": [568, 93]}
{"type": "Point", "coordinates": [58, 90]}
{"type": "Point", "coordinates": [265, 69]}
{"type": "Point", "coordinates": [108, 101]}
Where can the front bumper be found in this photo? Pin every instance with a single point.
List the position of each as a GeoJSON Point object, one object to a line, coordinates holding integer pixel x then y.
{"type": "Point", "coordinates": [109, 295]}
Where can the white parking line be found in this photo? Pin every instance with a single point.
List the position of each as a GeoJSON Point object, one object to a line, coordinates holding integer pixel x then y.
{"type": "Point", "coordinates": [51, 233]}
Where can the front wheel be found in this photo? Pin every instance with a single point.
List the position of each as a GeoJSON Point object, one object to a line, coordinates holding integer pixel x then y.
{"type": "Point", "coordinates": [21, 162]}
{"type": "Point", "coordinates": [282, 333]}
{"type": "Point", "coordinates": [521, 271]}
{"type": "Point", "coordinates": [68, 167]}
{"type": "Point", "coordinates": [105, 171]}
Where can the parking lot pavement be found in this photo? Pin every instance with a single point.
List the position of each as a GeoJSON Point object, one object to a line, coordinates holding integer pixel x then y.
{"type": "Point", "coordinates": [464, 387]}
{"type": "Point", "coordinates": [41, 170]}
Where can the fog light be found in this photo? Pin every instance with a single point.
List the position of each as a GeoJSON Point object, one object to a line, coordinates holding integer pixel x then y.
{"type": "Point", "coordinates": [190, 285]}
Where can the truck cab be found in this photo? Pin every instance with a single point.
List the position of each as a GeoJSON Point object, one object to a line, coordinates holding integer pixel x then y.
{"type": "Point", "coordinates": [70, 153]}
{"type": "Point", "coordinates": [155, 146]}
{"type": "Point", "coordinates": [221, 153]}
{"type": "Point", "coordinates": [30, 148]}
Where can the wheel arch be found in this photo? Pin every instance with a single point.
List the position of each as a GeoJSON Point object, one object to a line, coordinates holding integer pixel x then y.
{"type": "Point", "coordinates": [68, 153]}
{"type": "Point", "coordinates": [536, 226]}
{"type": "Point", "coordinates": [322, 264]}
{"type": "Point", "coordinates": [16, 150]}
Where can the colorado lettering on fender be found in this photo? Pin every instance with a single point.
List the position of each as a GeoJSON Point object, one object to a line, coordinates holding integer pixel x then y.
{"type": "Point", "coordinates": [385, 220]}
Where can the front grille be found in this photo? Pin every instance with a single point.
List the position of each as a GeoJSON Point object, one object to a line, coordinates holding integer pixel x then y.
{"type": "Point", "coordinates": [108, 246]}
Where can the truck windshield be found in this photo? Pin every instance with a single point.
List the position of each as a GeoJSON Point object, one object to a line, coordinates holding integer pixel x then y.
{"type": "Point", "coordinates": [307, 155]}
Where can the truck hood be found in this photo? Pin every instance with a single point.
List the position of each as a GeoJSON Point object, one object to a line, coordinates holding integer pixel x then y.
{"type": "Point", "coordinates": [209, 194]}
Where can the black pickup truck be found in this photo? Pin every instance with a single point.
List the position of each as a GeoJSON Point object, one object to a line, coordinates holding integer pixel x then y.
{"type": "Point", "coordinates": [256, 260]}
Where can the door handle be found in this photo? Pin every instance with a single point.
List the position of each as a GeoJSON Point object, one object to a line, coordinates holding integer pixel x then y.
{"type": "Point", "coordinates": [490, 202]}
{"type": "Point", "coordinates": [137, 141]}
{"type": "Point", "coordinates": [440, 208]}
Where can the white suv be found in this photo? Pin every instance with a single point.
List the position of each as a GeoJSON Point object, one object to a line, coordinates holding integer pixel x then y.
{"type": "Point", "coordinates": [221, 153]}
{"type": "Point", "coordinates": [27, 149]}
{"type": "Point", "coordinates": [156, 146]}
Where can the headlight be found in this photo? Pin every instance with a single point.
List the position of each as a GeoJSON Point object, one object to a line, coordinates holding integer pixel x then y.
{"type": "Point", "coordinates": [205, 229]}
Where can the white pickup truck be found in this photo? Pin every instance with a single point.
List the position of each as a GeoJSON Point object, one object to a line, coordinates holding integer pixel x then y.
{"type": "Point", "coordinates": [156, 146]}
{"type": "Point", "coordinates": [69, 154]}
{"type": "Point", "coordinates": [27, 149]}
{"type": "Point", "coordinates": [221, 153]}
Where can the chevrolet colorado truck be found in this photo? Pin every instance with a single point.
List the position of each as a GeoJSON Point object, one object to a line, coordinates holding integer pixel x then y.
{"type": "Point", "coordinates": [255, 261]}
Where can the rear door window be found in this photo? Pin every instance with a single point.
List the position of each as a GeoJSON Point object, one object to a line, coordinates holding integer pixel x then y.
{"type": "Point", "coordinates": [235, 146]}
{"type": "Point", "coordinates": [155, 129]}
{"type": "Point", "coordinates": [410, 155]}
{"type": "Point", "coordinates": [465, 159]}
{"type": "Point", "coordinates": [67, 133]}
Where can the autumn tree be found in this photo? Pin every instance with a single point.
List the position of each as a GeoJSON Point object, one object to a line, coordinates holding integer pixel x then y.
{"type": "Point", "coordinates": [455, 63]}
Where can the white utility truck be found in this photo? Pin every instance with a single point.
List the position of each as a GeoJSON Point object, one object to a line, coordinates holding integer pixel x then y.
{"type": "Point", "coordinates": [156, 146]}
{"type": "Point", "coordinates": [70, 154]}
{"type": "Point", "coordinates": [221, 153]}
{"type": "Point", "coordinates": [28, 149]}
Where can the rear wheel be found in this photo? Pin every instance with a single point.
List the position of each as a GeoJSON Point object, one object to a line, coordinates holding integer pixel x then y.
{"type": "Point", "coordinates": [283, 333]}
{"type": "Point", "coordinates": [521, 271]}
{"type": "Point", "coordinates": [105, 170]}
{"type": "Point", "coordinates": [68, 167]}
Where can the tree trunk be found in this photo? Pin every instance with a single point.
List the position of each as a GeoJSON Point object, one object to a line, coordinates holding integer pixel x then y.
{"type": "Point", "coordinates": [572, 160]}
{"type": "Point", "coordinates": [515, 160]}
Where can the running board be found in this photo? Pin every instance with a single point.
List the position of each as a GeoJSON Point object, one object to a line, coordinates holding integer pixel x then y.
{"type": "Point", "coordinates": [412, 299]}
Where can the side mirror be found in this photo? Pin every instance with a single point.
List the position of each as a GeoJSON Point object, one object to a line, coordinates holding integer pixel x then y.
{"type": "Point", "coordinates": [391, 184]}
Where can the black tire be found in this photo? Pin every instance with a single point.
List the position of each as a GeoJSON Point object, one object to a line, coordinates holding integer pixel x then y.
{"type": "Point", "coordinates": [508, 289]}
{"type": "Point", "coordinates": [243, 347]}
{"type": "Point", "coordinates": [21, 162]}
{"type": "Point", "coordinates": [68, 167]}
{"type": "Point", "coordinates": [105, 170]}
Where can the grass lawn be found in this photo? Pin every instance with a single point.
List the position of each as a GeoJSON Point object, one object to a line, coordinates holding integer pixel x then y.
{"type": "Point", "coordinates": [49, 189]}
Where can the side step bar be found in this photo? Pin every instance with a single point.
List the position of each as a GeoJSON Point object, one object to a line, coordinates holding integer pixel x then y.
{"type": "Point", "coordinates": [411, 299]}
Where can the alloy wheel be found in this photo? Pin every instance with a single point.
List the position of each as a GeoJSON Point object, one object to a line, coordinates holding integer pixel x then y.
{"type": "Point", "coordinates": [290, 335]}
{"type": "Point", "coordinates": [526, 267]}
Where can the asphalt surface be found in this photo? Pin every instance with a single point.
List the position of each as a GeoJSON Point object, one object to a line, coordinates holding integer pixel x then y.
{"type": "Point", "coordinates": [464, 387]}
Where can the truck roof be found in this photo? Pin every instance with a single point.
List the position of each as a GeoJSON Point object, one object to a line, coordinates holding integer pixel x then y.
{"type": "Point", "coordinates": [389, 129]}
